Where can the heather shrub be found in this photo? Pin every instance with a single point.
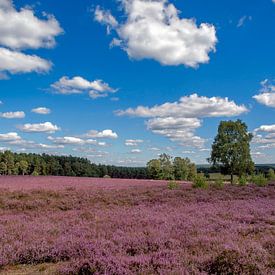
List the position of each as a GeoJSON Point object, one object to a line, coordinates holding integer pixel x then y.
{"type": "Point", "coordinates": [259, 180]}
{"type": "Point", "coordinates": [231, 262]}
{"type": "Point", "coordinates": [242, 180]}
{"type": "Point", "coordinates": [200, 182]}
{"type": "Point", "coordinates": [173, 185]}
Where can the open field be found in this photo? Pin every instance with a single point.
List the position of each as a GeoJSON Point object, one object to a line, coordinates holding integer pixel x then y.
{"type": "Point", "coordinates": [57, 225]}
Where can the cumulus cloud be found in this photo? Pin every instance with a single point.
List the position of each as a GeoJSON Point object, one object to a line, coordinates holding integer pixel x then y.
{"type": "Point", "coordinates": [136, 151]}
{"type": "Point", "coordinates": [41, 110]}
{"type": "Point", "coordinates": [11, 115]}
{"type": "Point", "coordinates": [153, 29]}
{"type": "Point", "coordinates": [79, 85]}
{"type": "Point", "coordinates": [103, 134]}
{"type": "Point", "coordinates": [266, 128]}
{"type": "Point", "coordinates": [133, 142]}
{"type": "Point", "coordinates": [179, 120]}
{"type": "Point", "coordinates": [9, 136]}
{"type": "Point", "coordinates": [17, 62]}
{"type": "Point", "coordinates": [267, 94]}
{"type": "Point", "coordinates": [21, 29]}
{"type": "Point", "coordinates": [67, 140]}
{"type": "Point", "coordinates": [190, 106]}
{"type": "Point", "coordinates": [46, 127]}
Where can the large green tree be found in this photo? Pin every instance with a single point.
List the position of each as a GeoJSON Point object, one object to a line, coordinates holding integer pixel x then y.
{"type": "Point", "coordinates": [231, 149]}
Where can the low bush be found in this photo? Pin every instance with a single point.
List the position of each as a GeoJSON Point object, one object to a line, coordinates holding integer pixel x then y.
{"type": "Point", "coordinates": [242, 181]}
{"type": "Point", "coordinates": [173, 185]}
{"type": "Point", "coordinates": [219, 182]}
{"type": "Point", "coordinates": [259, 180]}
{"type": "Point", "coordinates": [271, 174]}
{"type": "Point", "coordinates": [200, 182]}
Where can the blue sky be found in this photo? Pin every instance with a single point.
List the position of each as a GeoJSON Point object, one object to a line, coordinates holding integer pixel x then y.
{"type": "Point", "coordinates": [89, 64]}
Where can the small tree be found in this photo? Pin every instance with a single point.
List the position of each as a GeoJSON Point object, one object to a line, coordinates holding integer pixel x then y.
{"type": "Point", "coordinates": [23, 166]}
{"type": "Point", "coordinates": [3, 168]}
{"type": "Point", "coordinates": [271, 174]}
{"type": "Point", "coordinates": [167, 169]}
{"type": "Point", "coordinates": [154, 169]}
{"type": "Point", "coordinates": [231, 149]}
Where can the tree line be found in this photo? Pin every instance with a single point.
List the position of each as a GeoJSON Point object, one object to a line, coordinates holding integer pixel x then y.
{"type": "Point", "coordinates": [49, 165]}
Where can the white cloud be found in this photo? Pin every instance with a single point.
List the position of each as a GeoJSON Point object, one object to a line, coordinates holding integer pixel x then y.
{"type": "Point", "coordinates": [133, 142]}
{"type": "Point", "coordinates": [103, 134]}
{"type": "Point", "coordinates": [41, 110]}
{"type": "Point", "coordinates": [11, 115]}
{"type": "Point", "coordinates": [46, 127]}
{"type": "Point", "coordinates": [190, 106]}
{"type": "Point", "coordinates": [21, 30]}
{"type": "Point", "coordinates": [267, 94]}
{"type": "Point", "coordinates": [79, 85]}
{"type": "Point", "coordinates": [266, 128]}
{"type": "Point", "coordinates": [105, 18]}
{"type": "Point", "coordinates": [67, 140]}
{"type": "Point", "coordinates": [154, 30]}
{"type": "Point", "coordinates": [17, 62]}
{"type": "Point", "coordinates": [9, 137]}
{"type": "Point", "coordinates": [178, 121]}
{"type": "Point", "coordinates": [136, 151]}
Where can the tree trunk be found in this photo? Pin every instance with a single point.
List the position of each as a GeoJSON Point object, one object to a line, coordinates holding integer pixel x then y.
{"type": "Point", "coordinates": [231, 178]}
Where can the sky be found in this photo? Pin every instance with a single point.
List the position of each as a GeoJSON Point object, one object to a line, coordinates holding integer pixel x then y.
{"type": "Point", "coordinates": [122, 81]}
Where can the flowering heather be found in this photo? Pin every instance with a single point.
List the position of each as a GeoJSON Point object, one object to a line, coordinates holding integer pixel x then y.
{"type": "Point", "coordinates": [104, 226]}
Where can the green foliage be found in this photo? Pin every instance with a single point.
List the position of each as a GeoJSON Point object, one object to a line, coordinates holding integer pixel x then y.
{"type": "Point", "coordinates": [200, 182]}
{"type": "Point", "coordinates": [35, 173]}
{"type": "Point", "coordinates": [34, 164]}
{"type": "Point", "coordinates": [167, 168]}
{"type": "Point", "coordinates": [271, 174]}
{"type": "Point", "coordinates": [259, 180]}
{"type": "Point", "coordinates": [231, 149]}
{"type": "Point", "coordinates": [243, 180]}
{"type": "Point", "coordinates": [218, 182]}
{"type": "Point", "coordinates": [172, 185]}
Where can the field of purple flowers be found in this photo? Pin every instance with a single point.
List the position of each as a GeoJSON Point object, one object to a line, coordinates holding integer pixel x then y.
{"type": "Point", "coordinates": [101, 226]}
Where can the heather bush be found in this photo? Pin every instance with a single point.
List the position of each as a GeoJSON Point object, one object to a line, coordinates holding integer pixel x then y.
{"type": "Point", "coordinates": [106, 226]}
{"type": "Point", "coordinates": [200, 182]}
{"type": "Point", "coordinates": [232, 262]}
{"type": "Point", "coordinates": [173, 185]}
{"type": "Point", "coordinates": [259, 180]}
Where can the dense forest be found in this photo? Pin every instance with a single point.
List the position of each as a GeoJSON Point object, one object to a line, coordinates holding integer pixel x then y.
{"type": "Point", "coordinates": [34, 164]}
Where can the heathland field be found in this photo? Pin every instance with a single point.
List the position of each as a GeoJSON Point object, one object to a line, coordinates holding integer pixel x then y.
{"type": "Point", "coordinates": [58, 225]}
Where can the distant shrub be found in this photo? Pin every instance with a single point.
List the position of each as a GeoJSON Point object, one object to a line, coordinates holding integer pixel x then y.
{"type": "Point", "coordinates": [106, 177]}
{"type": "Point", "coordinates": [271, 174]}
{"type": "Point", "coordinates": [259, 180]}
{"type": "Point", "coordinates": [218, 182]}
{"type": "Point", "coordinates": [200, 182]}
{"type": "Point", "coordinates": [235, 180]}
{"type": "Point", "coordinates": [242, 181]}
{"type": "Point", "coordinates": [173, 185]}
{"type": "Point", "coordinates": [35, 174]}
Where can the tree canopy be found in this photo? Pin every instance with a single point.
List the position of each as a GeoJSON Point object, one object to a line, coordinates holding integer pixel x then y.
{"type": "Point", "coordinates": [231, 149]}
